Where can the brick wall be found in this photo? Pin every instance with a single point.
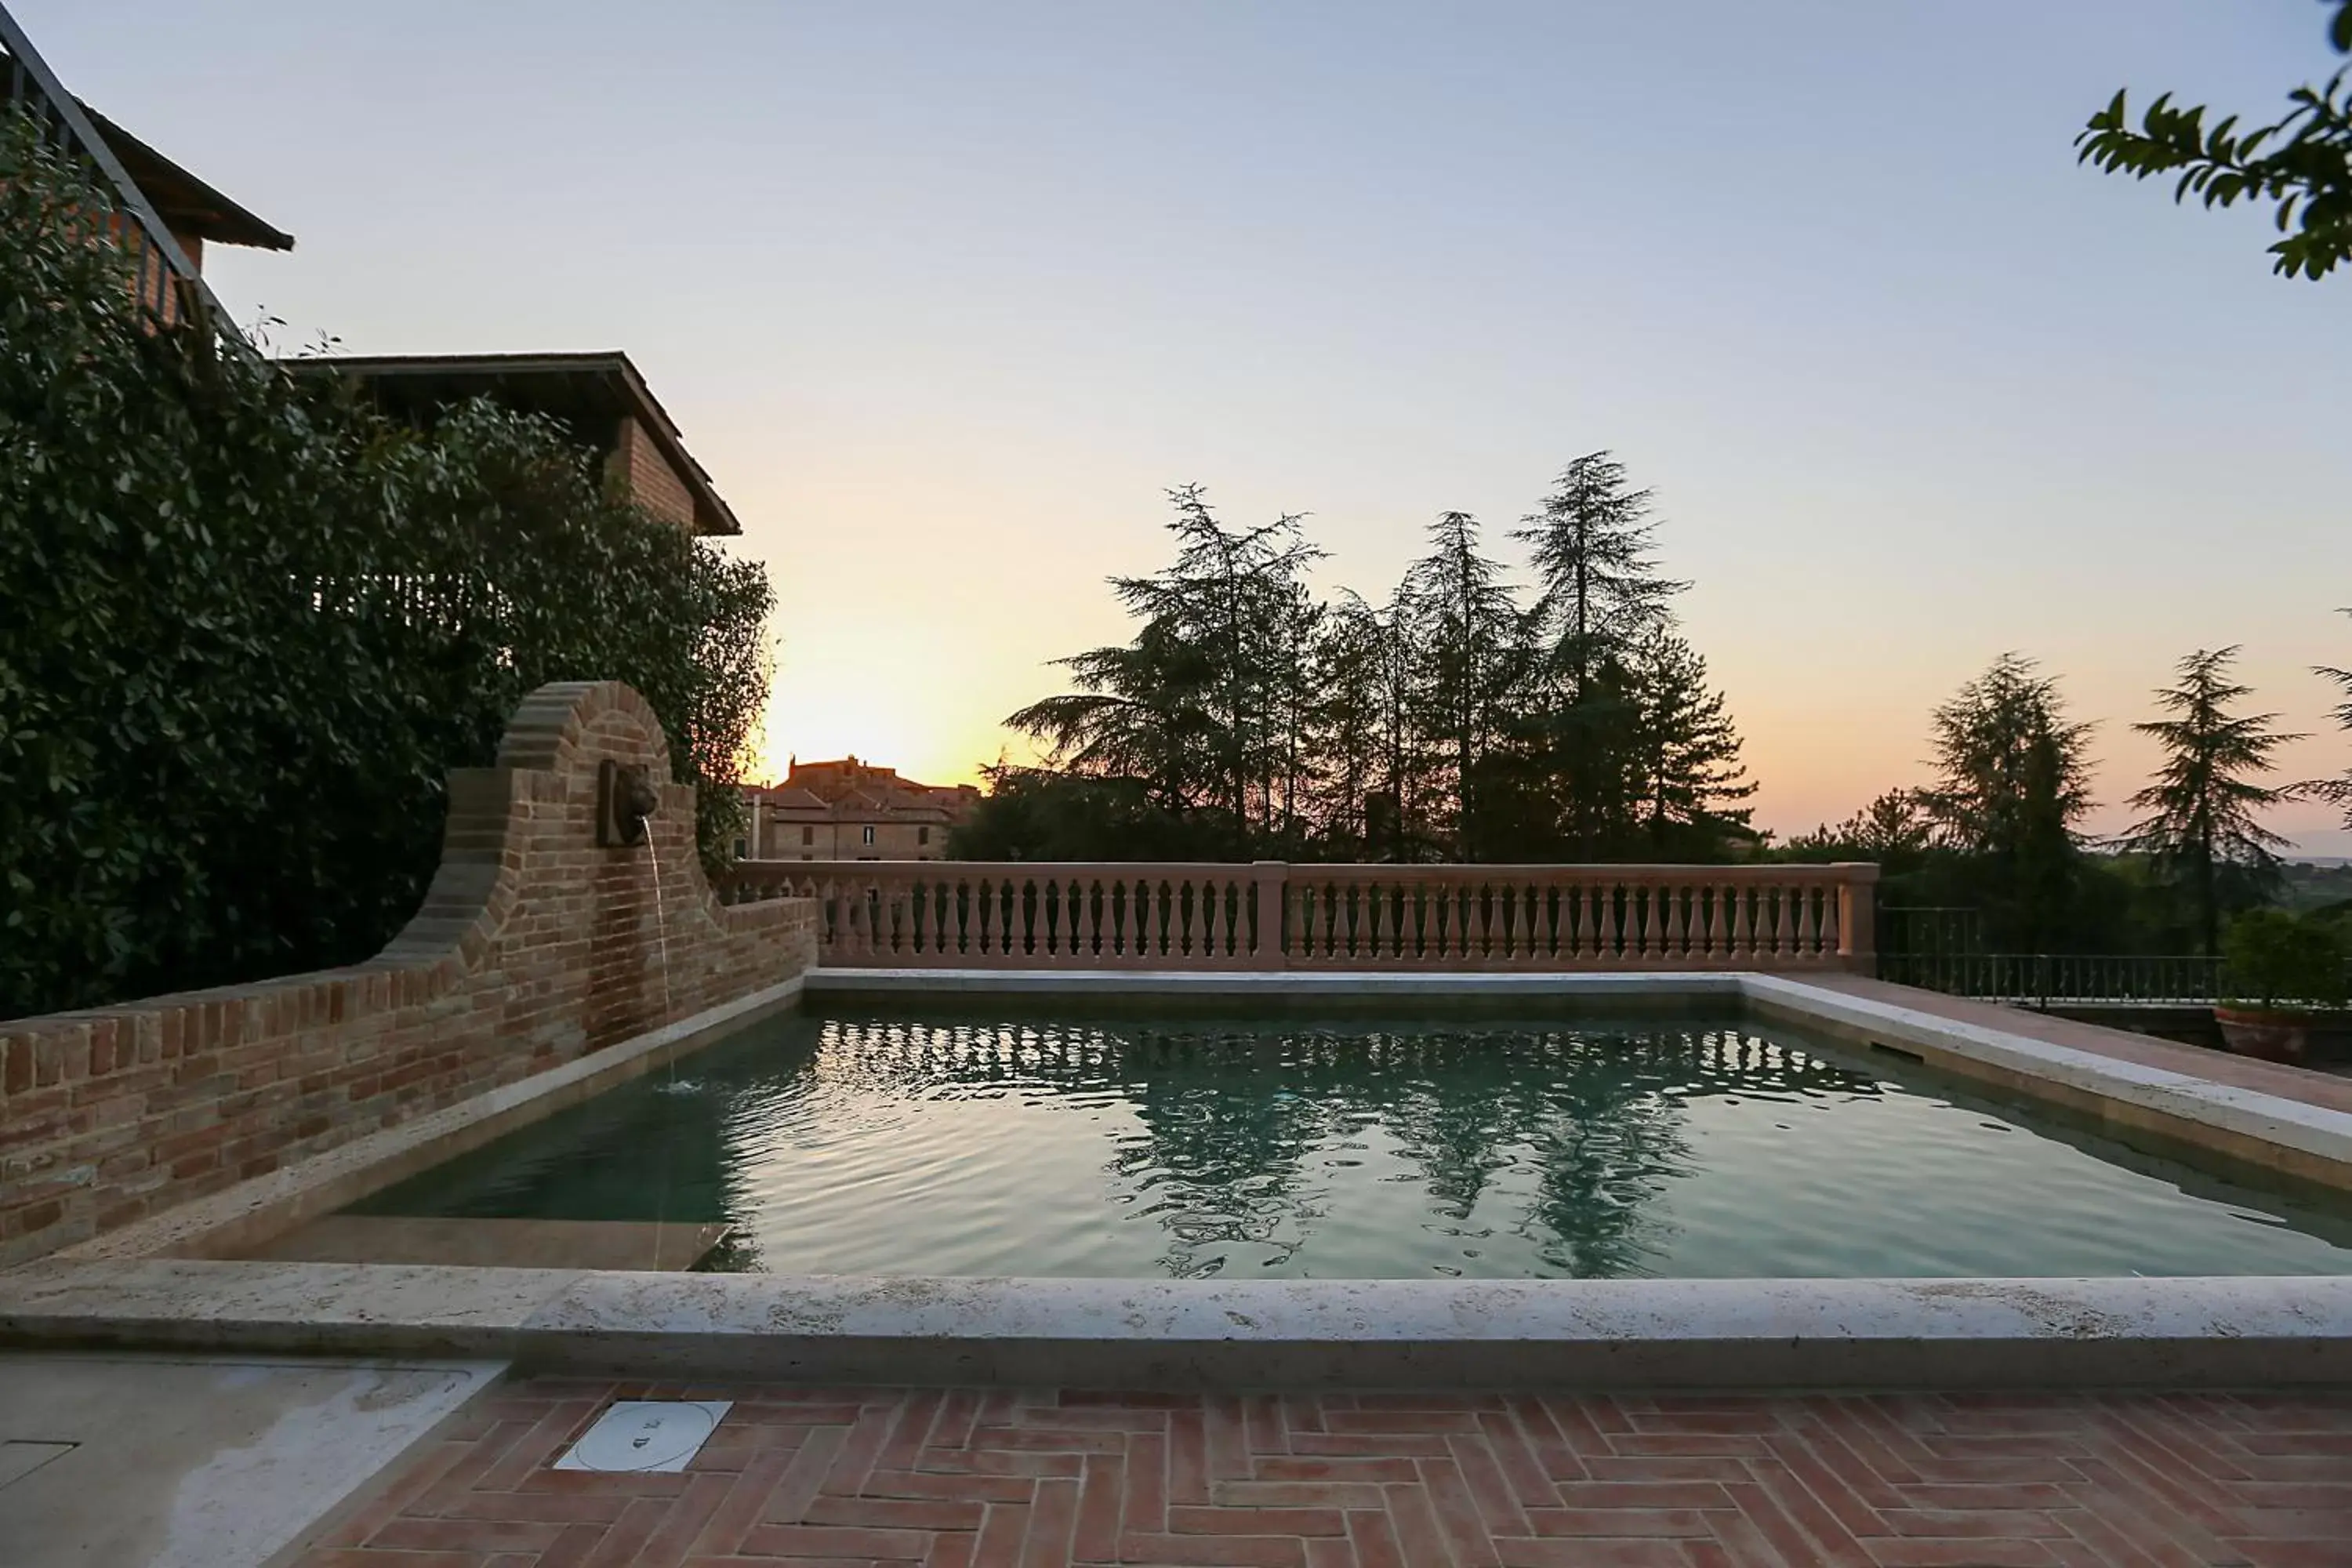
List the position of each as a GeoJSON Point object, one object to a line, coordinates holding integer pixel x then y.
{"type": "Point", "coordinates": [643, 475]}
{"type": "Point", "coordinates": [534, 948]}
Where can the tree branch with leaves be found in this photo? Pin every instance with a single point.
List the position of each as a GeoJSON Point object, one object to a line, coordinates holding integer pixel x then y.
{"type": "Point", "coordinates": [2301, 164]}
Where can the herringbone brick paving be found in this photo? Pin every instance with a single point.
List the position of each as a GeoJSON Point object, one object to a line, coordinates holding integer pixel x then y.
{"type": "Point", "coordinates": [998, 1478]}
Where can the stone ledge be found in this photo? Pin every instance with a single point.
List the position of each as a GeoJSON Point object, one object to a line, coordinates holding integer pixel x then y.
{"type": "Point", "coordinates": [2243, 1126]}
{"type": "Point", "coordinates": [1694, 1334]}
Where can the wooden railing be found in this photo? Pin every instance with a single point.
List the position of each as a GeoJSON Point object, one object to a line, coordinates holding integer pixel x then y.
{"type": "Point", "coordinates": [1270, 915]}
{"type": "Point", "coordinates": [165, 280]}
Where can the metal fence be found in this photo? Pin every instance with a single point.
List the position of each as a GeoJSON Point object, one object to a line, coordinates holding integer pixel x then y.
{"type": "Point", "coordinates": [1943, 947]}
{"type": "Point", "coordinates": [2041, 978]}
{"type": "Point", "coordinates": [167, 285]}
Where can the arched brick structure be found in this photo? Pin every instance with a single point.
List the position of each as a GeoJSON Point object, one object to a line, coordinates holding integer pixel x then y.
{"type": "Point", "coordinates": [532, 948]}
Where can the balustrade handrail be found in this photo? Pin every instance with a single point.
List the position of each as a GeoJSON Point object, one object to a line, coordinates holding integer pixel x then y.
{"type": "Point", "coordinates": [1270, 914]}
{"type": "Point", "coordinates": [27, 84]}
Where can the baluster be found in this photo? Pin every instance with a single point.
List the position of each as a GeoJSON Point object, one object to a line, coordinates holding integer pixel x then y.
{"type": "Point", "coordinates": [1742, 934]}
{"type": "Point", "coordinates": [991, 926]}
{"type": "Point", "coordinates": [1387, 939]}
{"type": "Point", "coordinates": [1314, 914]}
{"type": "Point", "coordinates": [1648, 893]}
{"type": "Point", "coordinates": [1148, 927]}
{"type": "Point", "coordinates": [1214, 926]}
{"type": "Point", "coordinates": [1091, 934]}
{"type": "Point", "coordinates": [1808, 936]}
{"type": "Point", "coordinates": [1607, 935]}
{"type": "Point", "coordinates": [1674, 948]}
{"type": "Point", "coordinates": [1776, 899]}
{"type": "Point", "coordinates": [1481, 904]}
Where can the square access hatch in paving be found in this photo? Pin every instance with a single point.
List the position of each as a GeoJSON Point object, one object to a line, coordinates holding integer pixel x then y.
{"type": "Point", "coordinates": [646, 1435]}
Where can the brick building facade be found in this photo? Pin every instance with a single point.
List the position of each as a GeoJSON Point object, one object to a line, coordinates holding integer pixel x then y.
{"type": "Point", "coordinates": [600, 399]}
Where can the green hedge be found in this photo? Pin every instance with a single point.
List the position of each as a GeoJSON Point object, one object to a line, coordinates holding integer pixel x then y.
{"type": "Point", "coordinates": [246, 626]}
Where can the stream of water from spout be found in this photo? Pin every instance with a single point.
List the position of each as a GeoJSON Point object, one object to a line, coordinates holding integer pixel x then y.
{"type": "Point", "coordinates": [661, 951]}
{"type": "Point", "coordinates": [661, 927]}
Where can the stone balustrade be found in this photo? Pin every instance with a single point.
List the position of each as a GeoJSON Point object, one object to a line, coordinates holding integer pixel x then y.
{"type": "Point", "coordinates": [1271, 915]}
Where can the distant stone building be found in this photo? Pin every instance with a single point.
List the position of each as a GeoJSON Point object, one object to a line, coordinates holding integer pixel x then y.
{"type": "Point", "coordinates": [853, 810]}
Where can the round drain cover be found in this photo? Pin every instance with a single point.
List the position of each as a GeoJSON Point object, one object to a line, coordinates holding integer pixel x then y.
{"type": "Point", "coordinates": [646, 1435]}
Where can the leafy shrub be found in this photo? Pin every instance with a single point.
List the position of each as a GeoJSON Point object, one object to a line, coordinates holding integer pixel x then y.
{"type": "Point", "coordinates": [2273, 958]}
{"type": "Point", "coordinates": [248, 625]}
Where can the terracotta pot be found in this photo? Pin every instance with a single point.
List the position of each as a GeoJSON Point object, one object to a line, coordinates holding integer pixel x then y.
{"type": "Point", "coordinates": [2282, 1034]}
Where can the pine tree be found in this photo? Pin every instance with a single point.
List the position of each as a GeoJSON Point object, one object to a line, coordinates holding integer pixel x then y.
{"type": "Point", "coordinates": [1469, 630]}
{"type": "Point", "coordinates": [1600, 598]}
{"type": "Point", "coordinates": [1590, 546]}
{"type": "Point", "coordinates": [1688, 749]}
{"type": "Point", "coordinates": [1197, 705]}
{"type": "Point", "coordinates": [2015, 780]}
{"type": "Point", "coordinates": [2201, 830]}
{"type": "Point", "coordinates": [2338, 790]}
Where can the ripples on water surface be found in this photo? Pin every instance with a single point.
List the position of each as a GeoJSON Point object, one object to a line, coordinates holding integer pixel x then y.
{"type": "Point", "coordinates": [1351, 1150]}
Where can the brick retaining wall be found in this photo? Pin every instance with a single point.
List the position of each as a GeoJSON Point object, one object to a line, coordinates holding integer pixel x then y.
{"type": "Point", "coordinates": [534, 948]}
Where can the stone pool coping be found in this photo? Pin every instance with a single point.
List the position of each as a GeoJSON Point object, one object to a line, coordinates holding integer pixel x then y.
{"type": "Point", "coordinates": [166, 1283]}
{"type": "Point", "coordinates": [1179, 1334]}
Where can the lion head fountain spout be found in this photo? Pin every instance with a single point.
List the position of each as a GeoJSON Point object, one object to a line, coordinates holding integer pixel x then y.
{"type": "Point", "coordinates": [625, 797]}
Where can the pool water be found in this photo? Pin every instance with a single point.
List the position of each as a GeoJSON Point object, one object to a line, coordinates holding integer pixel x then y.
{"type": "Point", "coordinates": [1690, 1148]}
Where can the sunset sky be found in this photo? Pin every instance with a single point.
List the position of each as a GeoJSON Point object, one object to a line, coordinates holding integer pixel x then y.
{"type": "Point", "coordinates": [945, 295]}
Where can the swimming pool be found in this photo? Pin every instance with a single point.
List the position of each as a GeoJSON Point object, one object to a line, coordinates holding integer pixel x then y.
{"type": "Point", "coordinates": [1687, 1146]}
